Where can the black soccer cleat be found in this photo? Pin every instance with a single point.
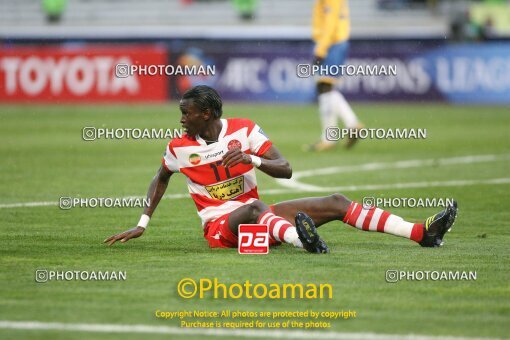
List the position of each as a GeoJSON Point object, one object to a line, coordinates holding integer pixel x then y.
{"type": "Point", "coordinates": [437, 225]}
{"type": "Point", "coordinates": [308, 235]}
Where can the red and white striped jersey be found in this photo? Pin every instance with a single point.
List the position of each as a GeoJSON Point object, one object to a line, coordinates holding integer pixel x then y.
{"type": "Point", "coordinates": [215, 189]}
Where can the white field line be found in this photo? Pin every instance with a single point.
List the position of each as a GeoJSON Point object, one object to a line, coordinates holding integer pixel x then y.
{"type": "Point", "coordinates": [146, 329]}
{"type": "Point", "coordinates": [410, 185]}
{"type": "Point", "coordinates": [294, 182]}
{"type": "Point", "coordinates": [347, 188]}
{"type": "Point", "coordinates": [294, 186]}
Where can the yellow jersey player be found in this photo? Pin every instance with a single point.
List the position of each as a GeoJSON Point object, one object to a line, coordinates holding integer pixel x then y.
{"type": "Point", "coordinates": [331, 31]}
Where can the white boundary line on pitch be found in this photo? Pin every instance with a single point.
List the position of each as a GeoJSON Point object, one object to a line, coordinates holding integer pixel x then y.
{"type": "Point", "coordinates": [294, 186]}
{"type": "Point", "coordinates": [275, 334]}
{"type": "Point", "coordinates": [294, 182]}
{"type": "Point", "coordinates": [347, 188]}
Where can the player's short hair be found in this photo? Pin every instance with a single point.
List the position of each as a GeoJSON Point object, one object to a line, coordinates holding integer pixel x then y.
{"type": "Point", "coordinates": [205, 98]}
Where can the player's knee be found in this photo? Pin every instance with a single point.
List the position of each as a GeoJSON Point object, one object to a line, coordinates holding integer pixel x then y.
{"type": "Point", "coordinates": [256, 209]}
{"type": "Point", "coordinates": [340, 202]}
{"type": "Point", "coordinates": [324, 87]}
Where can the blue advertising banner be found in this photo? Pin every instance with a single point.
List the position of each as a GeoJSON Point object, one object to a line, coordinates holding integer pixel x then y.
{"type": "Point", "coordinates": [471, 73]}
{"type": "Point", "coordinates": [269, 71]}
{"type": "Point", "coordinates": [249, 71]}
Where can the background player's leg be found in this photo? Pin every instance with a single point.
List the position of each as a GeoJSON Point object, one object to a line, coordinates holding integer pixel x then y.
{"type": "Point", "coordinates": [327, 114]}
{"type": "Point", "coordinates": [332, 104]}
{"type": "Point", "coordinates": [280, 229]}
{"type": "Point", "coordinates": [343, 110]}
{"type": "Point", "coordinates": [339, 105]}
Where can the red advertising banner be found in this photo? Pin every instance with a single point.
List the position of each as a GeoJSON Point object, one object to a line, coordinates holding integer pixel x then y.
{"type": "Point", "coordinates": [88, 73]}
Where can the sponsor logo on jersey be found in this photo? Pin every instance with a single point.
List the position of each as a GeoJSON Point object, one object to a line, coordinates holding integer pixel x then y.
{"type": "Point", "coordinates": [227, 190]}
{"type": "Point", "coordinates": [194, 158]}
{"type": "Point", "coordinates": [211, 155]}
{"type": "Point", "coordinates": [234, 144]}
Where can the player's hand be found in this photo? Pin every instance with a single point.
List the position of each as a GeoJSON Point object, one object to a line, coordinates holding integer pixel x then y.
{"type": "Point", "coordinates": [317, 60]}
{"type": "Point", "coordinates": [234, 157]}
{"type": "Point", "coordinates": [125, 236]}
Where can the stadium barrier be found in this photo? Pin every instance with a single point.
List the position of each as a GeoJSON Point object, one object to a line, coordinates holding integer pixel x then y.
{"type": "Point", "coordinates": [268, 71]}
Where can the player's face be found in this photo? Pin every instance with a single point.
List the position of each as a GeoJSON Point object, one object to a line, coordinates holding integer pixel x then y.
{"type": "Point", "coordinates": [192, 120]}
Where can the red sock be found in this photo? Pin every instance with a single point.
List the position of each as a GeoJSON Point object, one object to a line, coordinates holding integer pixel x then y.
{"type": "Point", "coordinates": [279, 228]}
{"type": "Point", "coordinates": [375, 219]}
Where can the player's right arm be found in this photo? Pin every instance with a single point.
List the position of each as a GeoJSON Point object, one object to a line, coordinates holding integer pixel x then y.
{"type": "Point", "coordinates": [156, 191]}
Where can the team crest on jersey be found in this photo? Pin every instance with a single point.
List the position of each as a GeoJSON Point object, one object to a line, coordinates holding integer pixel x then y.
{"type": "Point", "coordinates": [194, 158]}
{"type": "Point", "coordinates": [234, 144]}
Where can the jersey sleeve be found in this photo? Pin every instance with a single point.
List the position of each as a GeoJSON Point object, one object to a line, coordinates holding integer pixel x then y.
{"type": "Point", "coordinates": [258, 141]}
{"type": "Point", "coordinates": [169, 160]}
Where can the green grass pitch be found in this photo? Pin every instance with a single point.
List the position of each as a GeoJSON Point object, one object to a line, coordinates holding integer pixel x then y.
{"type": "Point", "coordinates": [44, 157]}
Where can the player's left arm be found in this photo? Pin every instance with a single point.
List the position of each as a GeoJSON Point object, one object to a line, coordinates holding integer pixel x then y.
{"type": "Point", "coordinates": [329, 25]}
{"type": "Point", "coordinates": [272, 162]}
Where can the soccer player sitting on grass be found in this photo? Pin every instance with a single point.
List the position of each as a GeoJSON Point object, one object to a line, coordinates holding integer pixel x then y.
{"type": "Point", "coordinates": [219, 156]}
